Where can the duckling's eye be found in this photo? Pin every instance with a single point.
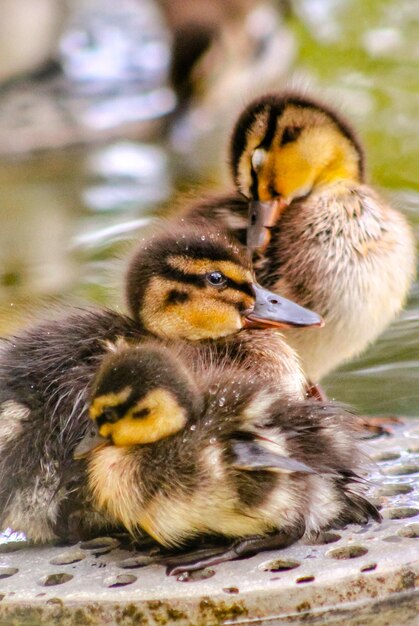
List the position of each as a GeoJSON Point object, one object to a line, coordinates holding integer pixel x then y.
{"type": "Point", "coordinates": [216, 279]}
{"type": "Point", "coordinates": [109, 415]}
{"type": "Point", "coordinates": [290, 134]}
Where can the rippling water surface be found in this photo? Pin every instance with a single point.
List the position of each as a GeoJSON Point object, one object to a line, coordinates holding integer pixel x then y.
{"type": "Point", "coordinates": [66, 215]}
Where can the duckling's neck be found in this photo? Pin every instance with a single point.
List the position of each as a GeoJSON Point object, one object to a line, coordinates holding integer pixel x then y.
{"type": "Point", "coordinates": [266, 353]}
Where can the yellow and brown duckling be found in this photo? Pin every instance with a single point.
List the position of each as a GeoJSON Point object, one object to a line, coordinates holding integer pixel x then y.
{"type": "Point", "coordinates": [201, 288]}
{"type": "Point", "coordinates": [231, 459]}
{"type": "Point", "coordinates": [326, 239]}
{"type": "Point", "coordinates": [182, 284]}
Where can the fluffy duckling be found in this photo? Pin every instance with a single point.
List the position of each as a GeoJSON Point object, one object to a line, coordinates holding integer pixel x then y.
{"type": "Point", "coordinates": [230, 458]}
{"type": "Point", "coordinates": [182, 284]}
{"type": "Point", "coordinates": [335, 244]}
{"type": "Point", "coordinates": [328, 240]}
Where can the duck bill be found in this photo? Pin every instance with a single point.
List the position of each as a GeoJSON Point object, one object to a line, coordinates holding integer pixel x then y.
{"type": "Point", "coordinates": [271, 310]}
{"type": "Point", "coordinates": [91, 441]}
{"type": "Point", "coordinates": [262, 216]}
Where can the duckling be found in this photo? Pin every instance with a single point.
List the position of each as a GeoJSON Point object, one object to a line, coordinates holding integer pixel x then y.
{"type": "Point", "coordinates": [189, 282]}
{"type": "Point", "coordinates": [231, 459]}
{"type": "Point", "coordinates": [336, 245]}
{"type": "Point", "coordinates": [326, 239]}
{"type": "Point", "coordinates": [201, 288]}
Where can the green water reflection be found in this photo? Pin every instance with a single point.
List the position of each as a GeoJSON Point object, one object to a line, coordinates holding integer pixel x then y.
{"type": "Point", "coordinates": [66, 215]}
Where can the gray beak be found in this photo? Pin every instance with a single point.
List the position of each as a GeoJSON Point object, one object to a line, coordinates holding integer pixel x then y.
{"type": "Point", "coordinates": [91, 441]}
{"type": "Point", "coordinates": [262, 216]}
{"type": "Point", "coordinates": [273, 310]}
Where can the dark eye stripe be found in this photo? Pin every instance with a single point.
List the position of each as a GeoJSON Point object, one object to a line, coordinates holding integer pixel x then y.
{"type": "Point", "coordinates": [199, 280]}
{"type": "Point", "coordinates": [243, 287]}
{"type": "Point", "coordinates": [111, 415]}
{"type": "Point", "coordinates": [290, 134]}
{"type": "Point", "coordinates": [175, 297]}
{"type": "Point", "coordinates": [141, 414]}
{"type": "Point", "coordinates": [172, 273]}
{"type": "Point", "coordinates": [270, 129]}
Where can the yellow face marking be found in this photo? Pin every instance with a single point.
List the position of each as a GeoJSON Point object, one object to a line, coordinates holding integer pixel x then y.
{"type": "Point", "coordinates": [108, 400]}
{"type": "Point", "coordinates": [202, 266]}
{"type": "Point", "coordinates": [320, 155]}
{"type": "Point", "coordinates": [166, 417]}
{"type": "Point", "coordinates": [207, 313]}
{"type": "Point", "coordinates": [215, 319]}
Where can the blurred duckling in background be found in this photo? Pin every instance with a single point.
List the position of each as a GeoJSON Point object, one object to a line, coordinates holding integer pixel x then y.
{"type": "Point", "coordinates": [230, 459]}
{"type": "Point", "coordinates": [325, 238]}
{"type": "Point", "coordinates": [182, 284]}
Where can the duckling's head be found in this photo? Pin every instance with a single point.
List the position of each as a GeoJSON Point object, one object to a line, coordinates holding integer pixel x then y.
{"type": "Point", "coordinates": [193, 281]}
{"type": "Point", "coordinates": [141, 394]}
{"type": "Point", "coordinates": [284, 146]}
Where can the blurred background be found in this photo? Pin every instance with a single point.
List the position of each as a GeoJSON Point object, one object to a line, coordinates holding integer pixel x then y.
{"type": "Point", "coordinates": [110, 109]}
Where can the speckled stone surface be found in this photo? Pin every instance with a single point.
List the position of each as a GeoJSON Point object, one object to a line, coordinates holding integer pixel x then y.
{"type": "Point", "coordinates": [361, 576]}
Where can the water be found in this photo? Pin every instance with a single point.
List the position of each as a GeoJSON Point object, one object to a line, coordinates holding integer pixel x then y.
{"type": "Point", "coordinates": [366, 56]}
{"type": "Point", "coordinates": [66, 215]}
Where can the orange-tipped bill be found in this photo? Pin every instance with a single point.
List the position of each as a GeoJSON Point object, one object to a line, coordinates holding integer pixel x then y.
{"type": "Point", "coordinates": [91, 441]}
{"type": "Point", "coordinates": [262, 216]}
{"type": "Point", "coordinates": [271, 310]}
